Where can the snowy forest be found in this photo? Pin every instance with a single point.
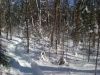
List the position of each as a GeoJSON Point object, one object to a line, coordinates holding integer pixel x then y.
{"type": "Point", "coordinates": [49, 37]}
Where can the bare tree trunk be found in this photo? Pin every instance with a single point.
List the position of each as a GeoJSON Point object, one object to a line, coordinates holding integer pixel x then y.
{"type": "Point", "coordinates": [0, 30]}
{"type": "Point", "coordinates": [98, 21]}
{"type": "Point", "coordinates": [27, 36]}
{"type": "Point", "coordinates": [93, 42]}
{"type": "Point", "coordinates": [10, 26]}
{"type": "Point", "coordinates": [7, 32]}
{"type": "Point", "coordinates": [27, 26]}
{"type": "Point", "coordinates": [56, 45]}
{"type": "Point", "coordinates": [8, 21]}
{"type": "Point", "coordinates": [97, 56]}
{"type": "Point", "coordinates": [89, 47]}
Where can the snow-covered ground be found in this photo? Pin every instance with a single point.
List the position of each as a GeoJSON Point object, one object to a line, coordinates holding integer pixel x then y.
{"type": "Point", "coordinates": [38, 62]}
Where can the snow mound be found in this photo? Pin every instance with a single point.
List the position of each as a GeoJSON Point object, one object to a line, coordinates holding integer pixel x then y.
{"type": "Point", "coordinates": [24, 63]}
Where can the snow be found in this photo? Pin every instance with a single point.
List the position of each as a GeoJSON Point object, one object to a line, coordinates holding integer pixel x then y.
{"type": "Point", "coordinates": [38, 62]}
{"type": "Point", "coordinates": [24, 63]}
{"type": "Point", "coordinates": [44, 57]}
{"type": "Point", "coordinates": [35, 69]}
{"type": "Point", "coordinates": [87, 9]}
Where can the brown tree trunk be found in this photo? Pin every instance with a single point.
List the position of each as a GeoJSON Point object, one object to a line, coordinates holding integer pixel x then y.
{"type": "Point", "coordinates": [27, 32]}
{"type": "Point", "coordinates": [0, 30]}
{"type": "Point", "coordinates": [89, 47]}
{"type": "Point", "coordinates": [27, 26]}
{"type": "Point", "coordinates": [10, 26]}
{"type": "Point", "coordinates": [98, 21]}
{"type": "Point", "coordinates": [97, 56]}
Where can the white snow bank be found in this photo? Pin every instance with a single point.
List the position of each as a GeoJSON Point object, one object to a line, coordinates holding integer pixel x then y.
{"type": "Point", "coordinates": [87, 65]}
{"type": "Point", "coordinates": [24, 63]}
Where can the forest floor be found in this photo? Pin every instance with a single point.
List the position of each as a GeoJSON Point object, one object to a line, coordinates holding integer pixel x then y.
{"type": "Point", "coordinates": [39, 62]}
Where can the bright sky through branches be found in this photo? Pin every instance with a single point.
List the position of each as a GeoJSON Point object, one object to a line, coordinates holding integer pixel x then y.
{"type": "Point", "coordinates": [71, 2]}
